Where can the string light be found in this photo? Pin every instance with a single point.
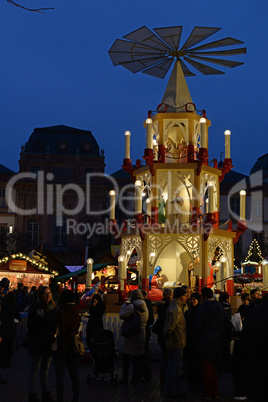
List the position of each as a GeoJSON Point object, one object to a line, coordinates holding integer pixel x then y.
{"type": "Point", "coordinates": [41, 267]}
{"type": "Point", "coordinates": [254, 246]}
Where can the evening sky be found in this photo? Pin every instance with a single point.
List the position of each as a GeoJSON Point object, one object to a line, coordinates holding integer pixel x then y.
{"type": "Point", "coordinates": [55, 69]}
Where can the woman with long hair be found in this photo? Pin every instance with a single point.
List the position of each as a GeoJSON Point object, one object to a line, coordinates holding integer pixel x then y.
{"type": "Point", "coordinates": [39, 327]}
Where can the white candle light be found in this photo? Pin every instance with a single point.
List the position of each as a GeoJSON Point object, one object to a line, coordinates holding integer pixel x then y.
{"type": "Point", "coordinates": [206, 205]}
{"type": "Point", "coordinates": [138, 196]}
{"type": "Point", "coordinates": [264, 265]}
{"type": "Point", "coordinates": [121, 271]}
{"type": "Point", "coordinates": [210, 199]}
{"type": "Point", "coordinates": [203, 132]}
{"type": "Point", "coordinates": [10, 229]}
{"type": "Point", "coordinates": [148, 206]}
{"type": "Point", "coordinates": [242, 205]}
{"type": "Point", "coordinates": [227, 134]}
{"type": "Point", "coordinates": [112, 204]}
{"type": "Point", "coordinates": [223, 271]}
{"type": "Point", "coordinates": [89, 273]}
{"type": "Point", "coordinates": [154, 149]}
{"type": "Point", "coordinates": [127, 144]}
{"type": "Point", "coordinates": [149, 133]}
{"type": "Point", "coordinates": [148, 209]}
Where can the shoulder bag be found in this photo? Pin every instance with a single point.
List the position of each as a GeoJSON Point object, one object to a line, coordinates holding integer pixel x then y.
{"type": "Point", "coordinates": [78, 345]}
{"type": "Point", "coordinates": [131, 325]}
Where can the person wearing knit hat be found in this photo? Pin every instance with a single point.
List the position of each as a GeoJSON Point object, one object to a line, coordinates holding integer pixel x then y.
{"type": "Point", "coordinates": [175, 334]}
{"type": "Point", "coordinates": [196, 296]}
{"type": "Point", "coordinates": [178, 292]}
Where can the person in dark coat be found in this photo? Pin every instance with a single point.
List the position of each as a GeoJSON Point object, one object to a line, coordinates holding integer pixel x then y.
{"type": "Point", "coordinates": [96, 311]}
{"type": "Point", "coordinates": [225, 359]}
{"type": "Point", "coordinates": [255, 340]}
{"type": "Point", "coordinates": [2, 380]}
{"type": "Point", "coordinates": [146, 371]}
{"type": "Point", "coordinates": [30, 297]}
{"type": "Point", "coordinates": [9, 313]}
{"type": "Point", "coordinates": [39, 328]}
{"type": "Point", "coordinates": [162, 307]}
{"type": "Point", "coordinates": [192, 364]}
{"type": "Point", "coordinates": [66, 324]}
{"type": "Point", "coordinates": [209, 324]}
{"type": "Point", "coordinates": [22, 298]}
{"type": "Point", "coordinates": [245, 307]}
{"type": "Point", "coordinates": [224, 299]}
{"type": "Point", "coordinates": [255, 298]}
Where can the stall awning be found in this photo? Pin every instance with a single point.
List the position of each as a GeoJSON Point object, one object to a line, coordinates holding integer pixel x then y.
{"type": "Point", "coordinates": [80, 272]}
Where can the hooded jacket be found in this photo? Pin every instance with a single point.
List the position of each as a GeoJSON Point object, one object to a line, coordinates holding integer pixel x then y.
{"type": "Point", "coordinates": [135, 345]}
{"type": "Point", "coordinates": [210, 323]}
{"type": "Point", "coordinates": [175, 326]}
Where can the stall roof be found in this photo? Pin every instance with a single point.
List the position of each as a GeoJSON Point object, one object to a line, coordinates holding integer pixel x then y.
{"type": "Point", "coordinates": [82, 271]}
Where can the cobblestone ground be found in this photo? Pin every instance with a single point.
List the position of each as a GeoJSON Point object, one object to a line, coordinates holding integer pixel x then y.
{"type": "Point", "coordinates": [97, 391]}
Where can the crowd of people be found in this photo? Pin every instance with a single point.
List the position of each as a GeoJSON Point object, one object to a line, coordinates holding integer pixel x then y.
{"type": "Point", "coordinates": [194, 331]}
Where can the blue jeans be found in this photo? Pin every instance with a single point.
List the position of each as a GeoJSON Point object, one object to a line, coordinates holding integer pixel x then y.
{"type": "Point", "coordinates": [69, 361]}
{"type": "Point", "coordinates": [39, 362]}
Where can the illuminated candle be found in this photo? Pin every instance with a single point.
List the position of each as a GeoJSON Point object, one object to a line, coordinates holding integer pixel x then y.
{"type": "Point", "coordinates": [218, 274]}
{"type": "Point", "coordinates": [89, 273]}
{"type": "Point", "coordinates": [148, 210]}
{"type": "Point", "coordinates": [203, 133]}
{"type": "Point", "coordinates": [223, 272]}
{"type": "Point", "coordinates": [10, 229]}
{"type": "Point", "coordinates": [227, 134]}
{"type": "Point", "coordinates": [148, 133]}
{"type": "Point", "coordinates": [210, 199]}
{"type": "Point", "coordinates": [264, 265]}
{"type": "Point", "coordinates": [206, 205]}
{"type": "Point", "coordinates": [138, 197]}
{"type": "Point", "coordinates": [127, 144]}
{"type": "Point", "coordinates": [121, 271]}
{"type": "Point", "coordinates": [242, 205]}
{"type": "Point", "coordinates": [112, 204]}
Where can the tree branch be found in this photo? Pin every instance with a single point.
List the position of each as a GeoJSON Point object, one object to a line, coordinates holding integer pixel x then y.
{"type": "Point", "coordinates": [35, 10]}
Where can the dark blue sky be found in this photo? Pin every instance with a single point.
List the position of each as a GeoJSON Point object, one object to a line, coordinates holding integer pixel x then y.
{"type": "Point", "coordinates": [55, 69]}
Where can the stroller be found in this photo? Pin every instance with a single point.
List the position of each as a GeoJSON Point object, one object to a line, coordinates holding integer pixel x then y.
{"type": "Point", "coordinates": [103, 351]}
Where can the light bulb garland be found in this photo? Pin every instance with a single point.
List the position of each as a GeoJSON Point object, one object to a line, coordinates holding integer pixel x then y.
{"type": "Point", "coordinates": [21, 256]}
{"type": "Point", "coordinates": [254, 251]}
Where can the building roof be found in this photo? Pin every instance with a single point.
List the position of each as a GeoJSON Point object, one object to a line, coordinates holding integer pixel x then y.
{"type": "Point", "coordinates": [234, 177]}
{"type": "Point", "coordinates": [62, 140]}
{"type": "Point", "coordinates": [121, 174]}
{"type": "Point", "coordinates": [4, 169]}
{"type": "Point", "coordinates": [261, 164]}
